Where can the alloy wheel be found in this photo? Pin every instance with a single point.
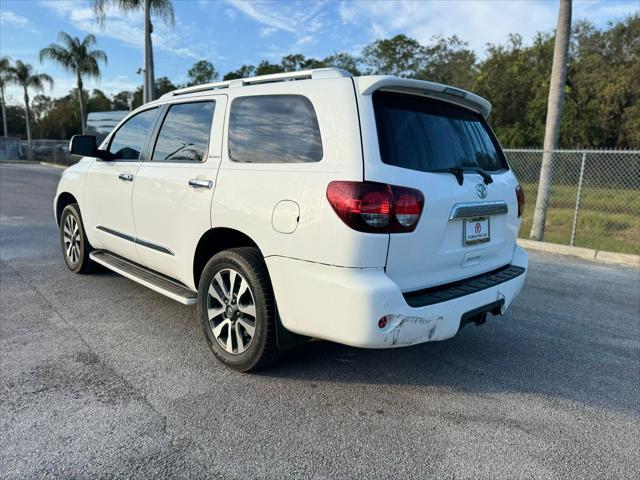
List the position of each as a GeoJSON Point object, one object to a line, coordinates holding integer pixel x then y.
{"type": "Point", "coordinates": [231, 310]}
{"type": "Point", "coordinates": [71, 236]}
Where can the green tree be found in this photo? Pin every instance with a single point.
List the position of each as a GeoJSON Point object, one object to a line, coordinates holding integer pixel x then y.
{"type": "Point", "coordinates": [122, 100]}
{"type": "Point", "coordinates": [449, 61]}
{"type": "Point", "coordinates": [16, 121]}
{"type": "Point", "coordinates": [296, 62]}
{"type": "Point", "coordinates": [77, 57]}
{"type": "Point", "coordinates": [202, 72]}
{"type": "Point", "coordinates": [267, 68]}
{"type": "Point", "coordinates": [163, 85]}
{"type": "Point", "coordinates": [516, 81]}
{"type": "Point", "coordinates": [5, 65]}
{"type": "Point", "coordinates": [62, 118]}
{"type": "Point", "coordinates": [41, 107]}
{"type": "Point", "coordinates": [401, 56]}
{"type": "Point", "coordinates": [602, 104]}
{"type": "Point", "coordinates": [98, 102]}
{"type": "Point", "coordinates": [244, 71]}
{"type": "Point", "coordinates": [161, 8]}
{"type": "Point", "coordinates": [22, 74]}
{"type": "Point", "coordinates": [344, 61]}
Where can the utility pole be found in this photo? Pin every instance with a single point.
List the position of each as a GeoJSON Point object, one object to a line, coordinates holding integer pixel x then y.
{"type": "Point", "coordinates": [554, 111]}
{"type": "Point", "coordinates": [147, 86]}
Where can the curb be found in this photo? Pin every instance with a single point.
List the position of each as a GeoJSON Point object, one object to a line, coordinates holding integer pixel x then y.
{"type": "Point", "coordinates": [56, 165]}
{"type": "Point", "coordinates": [20, 162]}
{"type": "Point", "coordinates": [585, 253]}
{"type": "Point", "coordinates": [33, 162]}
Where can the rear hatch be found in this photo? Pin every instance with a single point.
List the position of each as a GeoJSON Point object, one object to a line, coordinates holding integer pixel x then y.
{"type": "Point", "coordinates": [469, 223]}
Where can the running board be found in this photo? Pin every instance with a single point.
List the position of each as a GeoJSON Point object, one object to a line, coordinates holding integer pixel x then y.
{"type": "Point", "coordinates": [144, 276]}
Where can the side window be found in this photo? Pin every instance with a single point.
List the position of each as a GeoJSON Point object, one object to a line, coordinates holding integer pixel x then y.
{"type": "Point", "coordinates": [128, 141]}
{"type": "Point", "coordinates": [274, 128]}
{"type": "Point", "coordinates": [184, 135]}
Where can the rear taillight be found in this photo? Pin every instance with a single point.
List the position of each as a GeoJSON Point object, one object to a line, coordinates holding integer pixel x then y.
{"type": "Point", "coordinates": [376, 207]}
{"type": "Point", "coordinates": [520, 197]}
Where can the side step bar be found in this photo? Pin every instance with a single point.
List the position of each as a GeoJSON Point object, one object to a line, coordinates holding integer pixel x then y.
{"type": "Point", "coordinates": [146, 277]}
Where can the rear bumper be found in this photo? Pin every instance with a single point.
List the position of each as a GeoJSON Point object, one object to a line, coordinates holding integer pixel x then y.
{"type": "Point", "coordinates": [344, 304]}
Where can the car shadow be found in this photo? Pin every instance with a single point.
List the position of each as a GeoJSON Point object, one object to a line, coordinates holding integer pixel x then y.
{"type": "Point", "coordinates": [504, 355]}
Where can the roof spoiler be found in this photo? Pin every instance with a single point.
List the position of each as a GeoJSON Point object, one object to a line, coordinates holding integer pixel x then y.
{"type": "Point", "coordinates": [369, 84]}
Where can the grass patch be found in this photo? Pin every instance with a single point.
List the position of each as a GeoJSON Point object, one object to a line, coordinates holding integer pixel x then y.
{"type": "Point", "coordinates": [609, 218]}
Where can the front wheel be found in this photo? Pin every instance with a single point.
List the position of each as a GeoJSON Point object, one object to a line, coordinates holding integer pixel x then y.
{"type": "Point", "coordinates": [73, 239]}
{"type": "Point", "coordinates": [237, 308]}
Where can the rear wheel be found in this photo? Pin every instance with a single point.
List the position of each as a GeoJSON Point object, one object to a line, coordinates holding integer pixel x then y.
{"type": "Point", "coordinates": [73, 239]}
{"type": "Point", "coordinates": [237, 309]}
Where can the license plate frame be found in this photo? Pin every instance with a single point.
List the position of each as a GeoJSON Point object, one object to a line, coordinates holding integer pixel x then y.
{"type": "Point", "coordinates": [478, 235]}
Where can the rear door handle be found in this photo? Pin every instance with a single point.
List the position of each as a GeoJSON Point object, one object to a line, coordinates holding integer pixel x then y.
{"type": "Point", "coordinates": [126, 177]}
{"type": "Point", "coordinates": [195, 183]}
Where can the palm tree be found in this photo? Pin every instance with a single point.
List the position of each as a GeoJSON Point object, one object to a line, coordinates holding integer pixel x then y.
{"type": "Point", "coordinates": [162, 8]}
{"type": "Point", "coordinates": [554, 110]}
{"type": "Point", "coordinates": [22, 74]}
{"type": "Point", "coordinates": [5, 65]}
{"type": "Point", "coordinates": [76, 56]}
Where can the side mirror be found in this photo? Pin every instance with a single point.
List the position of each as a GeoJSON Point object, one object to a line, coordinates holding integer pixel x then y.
{"type": "Point", "coordinates": [86, 146]}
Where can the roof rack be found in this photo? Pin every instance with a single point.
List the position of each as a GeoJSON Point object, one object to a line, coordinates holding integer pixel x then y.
{"type": "Point", "coordinates": [317, 73]}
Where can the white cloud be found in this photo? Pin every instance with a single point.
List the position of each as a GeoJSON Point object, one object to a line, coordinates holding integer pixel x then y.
{"type": "Point", "coordinates": [307, 39]}
{"type": "Point", "coordinates": [128, 28]}
{"type": "Point", "coordinates": [266, 31]}
{"type": "Point", "coordinates": [477, 22]}
{"type": "Point", "coordinates": [262, 13]}
{"type": "Point", "coordinates": [301, 19]}
{"type": "Point", "coordinates": [7, 17]}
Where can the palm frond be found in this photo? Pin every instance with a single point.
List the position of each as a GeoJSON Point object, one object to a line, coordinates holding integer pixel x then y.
{"type": "Point", "coordinates": [58, 54]}
{"type": "Point", "coordinates": [164, 10]}
{"type": "Point", "coordinates": [98, 55]}
{"type": "Point", "coordinates": [5, 63]}
{"type": "Point", "coordinates": [38, 80]}
{"type": "Point", "coordinates": [74, 55]}
{"type": "Point", "coordinates": [160, 8]}
{"type": "Point", "coordinates": [22, 74]}
{"type": "Point", "coordinates": [67, 40]}
{"type": "Point", "coordinates": [89, 41]}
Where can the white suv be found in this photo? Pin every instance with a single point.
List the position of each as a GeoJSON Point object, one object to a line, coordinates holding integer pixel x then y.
{"type": "Point", "coordinates": [374, 211]}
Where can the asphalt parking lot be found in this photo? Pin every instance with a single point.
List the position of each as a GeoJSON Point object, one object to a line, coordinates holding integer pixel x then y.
{"type": "Point", "coordinates": [104, 378]}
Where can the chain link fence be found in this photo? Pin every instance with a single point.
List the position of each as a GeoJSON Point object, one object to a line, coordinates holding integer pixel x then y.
{"type": "Point", "coordinates": [594, 202]}
{"type": "Point", "coordinates": [51, 151]}
{"type": "Point", "coordinates": [595, 197]}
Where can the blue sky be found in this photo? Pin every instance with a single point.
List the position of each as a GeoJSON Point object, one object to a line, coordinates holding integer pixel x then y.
{"type": "Point", "coordinates": [230, 33]}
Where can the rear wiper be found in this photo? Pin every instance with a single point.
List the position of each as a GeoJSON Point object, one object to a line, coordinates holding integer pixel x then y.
{"type": "Point", "coordinates": [459, 173]}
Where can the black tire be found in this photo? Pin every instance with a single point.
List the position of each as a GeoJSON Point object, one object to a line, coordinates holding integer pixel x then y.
{"type": "Point", "coordinates": [77, 261]}
{"type": "Point", "coordinates": [262, 347]}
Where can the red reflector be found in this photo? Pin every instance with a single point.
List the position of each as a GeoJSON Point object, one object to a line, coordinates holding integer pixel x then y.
{"type": "Point", "coordinates": [382, 322]}
{"type": "Point", "coordinates": [376, 207]}
{"type": "Point", "coordinates": [521, 200]}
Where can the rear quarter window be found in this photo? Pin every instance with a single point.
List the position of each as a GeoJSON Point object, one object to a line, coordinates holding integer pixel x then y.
{"type": "Point", "coordinates": [423, 134]}
{"type": "Point", "coordinates": [274, 129]}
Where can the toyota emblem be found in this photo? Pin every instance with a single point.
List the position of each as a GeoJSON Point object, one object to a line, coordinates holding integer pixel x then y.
{"type": "Point", "coordinates": [481, 190]}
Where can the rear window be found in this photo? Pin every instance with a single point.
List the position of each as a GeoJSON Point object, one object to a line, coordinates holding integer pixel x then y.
{"type": "Point", "coordinates": [274, 129]}
{"type": "Point", "coordinates": [427, 135]}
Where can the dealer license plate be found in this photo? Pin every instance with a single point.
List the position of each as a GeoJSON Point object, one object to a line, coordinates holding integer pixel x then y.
{"type": "Point", "coordinates": [476, 230]}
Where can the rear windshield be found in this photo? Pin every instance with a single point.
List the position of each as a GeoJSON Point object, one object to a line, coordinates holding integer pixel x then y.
{"type": "Point", "coordinates": [427, 135]}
